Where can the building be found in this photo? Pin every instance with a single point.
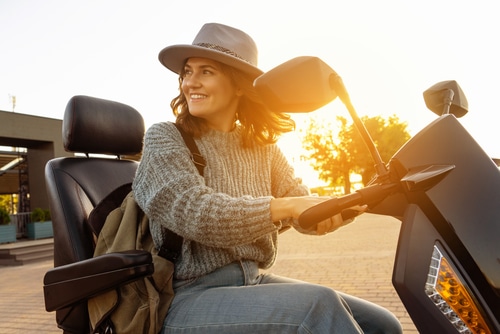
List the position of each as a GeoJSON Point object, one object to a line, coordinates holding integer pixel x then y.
{"type": "Point", "coordinates": [36, 140]}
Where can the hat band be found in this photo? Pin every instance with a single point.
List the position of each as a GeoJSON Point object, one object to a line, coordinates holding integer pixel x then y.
{"type": "Point", "coordinates": [221, 49]}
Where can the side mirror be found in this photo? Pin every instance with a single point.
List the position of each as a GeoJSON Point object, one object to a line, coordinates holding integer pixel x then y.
{"type": "Point", "coordinates": [446, 97]}
{"type": "Point", "coordinates": [302, 84]}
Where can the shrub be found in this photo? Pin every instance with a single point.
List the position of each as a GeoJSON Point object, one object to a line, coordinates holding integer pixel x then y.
{"type": "Point", "coordinates": [40, 215]}
{"type": "Point", "coordinates": [4, 216]}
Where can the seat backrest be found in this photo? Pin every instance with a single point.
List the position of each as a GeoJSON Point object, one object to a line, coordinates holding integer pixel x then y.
{"type": "Point", "coordinates": [75, 185]}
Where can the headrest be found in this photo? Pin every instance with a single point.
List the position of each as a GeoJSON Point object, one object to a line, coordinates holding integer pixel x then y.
{"type": "Point", "coordinates": [93, 125]}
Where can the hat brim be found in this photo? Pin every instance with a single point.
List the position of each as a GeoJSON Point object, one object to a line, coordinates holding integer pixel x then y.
{"type": "Point", "coordinates": [173, 57]}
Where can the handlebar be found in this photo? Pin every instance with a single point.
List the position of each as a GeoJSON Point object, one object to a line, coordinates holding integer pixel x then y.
{"type": "Point", "coordinates": [334, 206]}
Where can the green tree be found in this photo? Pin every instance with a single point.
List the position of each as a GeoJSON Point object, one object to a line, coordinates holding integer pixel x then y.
{"type": "Point", "coordinates": [5, 202]}
{"type": "Point", "coordinates": [338, 154]}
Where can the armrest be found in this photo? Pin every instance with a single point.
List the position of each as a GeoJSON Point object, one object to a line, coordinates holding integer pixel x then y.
{"type": "Point", "coordinates": [66, 285]}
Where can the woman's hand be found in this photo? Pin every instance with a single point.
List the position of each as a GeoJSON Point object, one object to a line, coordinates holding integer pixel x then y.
{"type": "Point", "coordinates": [293, 207]}
{"type": "Point", "coordinates": [335, 222]}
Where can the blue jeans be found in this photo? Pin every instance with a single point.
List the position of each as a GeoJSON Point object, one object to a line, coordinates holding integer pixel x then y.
{"type": "Point", "coordinates": [237, 299]}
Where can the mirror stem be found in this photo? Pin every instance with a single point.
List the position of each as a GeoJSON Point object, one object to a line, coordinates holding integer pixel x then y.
{"type": "Point", "coordinates": [448, 98]}
{"type": "Point", "coordinates": [338, 85]}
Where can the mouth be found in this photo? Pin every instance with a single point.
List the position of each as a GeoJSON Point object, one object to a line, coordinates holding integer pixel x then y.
{"type": "Point", "coordinates": [195, 97]}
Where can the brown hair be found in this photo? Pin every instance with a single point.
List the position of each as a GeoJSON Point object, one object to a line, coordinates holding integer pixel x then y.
{"type": "Point", "coordinates": [259, 124]}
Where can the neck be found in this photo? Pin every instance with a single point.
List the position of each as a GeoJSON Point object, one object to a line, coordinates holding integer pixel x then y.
{"type": "Point", "coordinates": [223, 124]}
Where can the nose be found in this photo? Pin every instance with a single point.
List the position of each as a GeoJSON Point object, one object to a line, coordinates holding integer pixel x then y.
{"type": "Point", "coordinates": [191, 80]}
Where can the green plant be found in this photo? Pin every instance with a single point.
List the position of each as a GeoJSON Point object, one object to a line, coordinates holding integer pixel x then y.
{"type": "Point", "coordinates": [4, 216]}
{"type": "Point", "coordinates": [47, 215]}
{"type": "Point", "coordinates": [40, 215]}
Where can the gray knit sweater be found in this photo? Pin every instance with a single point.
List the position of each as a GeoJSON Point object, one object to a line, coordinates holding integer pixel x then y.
{"type": "Point", "coordinates": [223, 217]}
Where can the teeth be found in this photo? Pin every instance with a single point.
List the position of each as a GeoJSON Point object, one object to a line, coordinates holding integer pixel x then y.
{"type": "Point", "coordinates": [197, 96]}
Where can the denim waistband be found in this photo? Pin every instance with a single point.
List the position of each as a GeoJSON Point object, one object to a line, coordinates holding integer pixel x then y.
{"type": "Point", "coordinates": [239, 273]}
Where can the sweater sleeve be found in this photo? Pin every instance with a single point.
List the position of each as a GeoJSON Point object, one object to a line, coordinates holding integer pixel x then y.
{"type": "Point", "coordinates": [171, 192]}
{"type": "Point", "coordinates": [284, 181]}
{"type": "Point", "coordinates": [285, 184]}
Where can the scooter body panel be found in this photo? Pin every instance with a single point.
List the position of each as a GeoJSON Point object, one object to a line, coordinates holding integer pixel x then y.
{"type": "Point", "coordinates": [460, 213]}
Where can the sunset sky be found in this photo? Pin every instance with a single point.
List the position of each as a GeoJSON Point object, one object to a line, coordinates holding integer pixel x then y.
{"type": "Point", "coordinates": [387, 52]}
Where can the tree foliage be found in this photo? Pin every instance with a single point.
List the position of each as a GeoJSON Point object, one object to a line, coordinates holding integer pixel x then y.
{"type": "Point", "coordinates": [5, 202]}
{"type": "Point", "coordinates": [336, 155]}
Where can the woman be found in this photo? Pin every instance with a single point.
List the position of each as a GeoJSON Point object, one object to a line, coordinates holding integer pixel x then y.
{"type": "Point", "coordinates": [230, 218]}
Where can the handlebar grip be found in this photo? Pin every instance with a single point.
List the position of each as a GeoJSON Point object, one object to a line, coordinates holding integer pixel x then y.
{"type": "Point", "coordinates": [334, 206]}
{"type": "Point", "coordinates": [327, 209]}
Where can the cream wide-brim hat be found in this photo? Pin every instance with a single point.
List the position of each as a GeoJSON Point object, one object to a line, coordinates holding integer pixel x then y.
{"type": "Point", "coordinates": [218, 42]}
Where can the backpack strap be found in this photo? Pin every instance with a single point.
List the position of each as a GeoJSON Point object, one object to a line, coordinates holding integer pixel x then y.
{"type": "Point", "coordinates": [172, 242]}
{"type": "Point", "coordinates": [197, 158]}
{"type": "Point", "coordinates": [113, 200]}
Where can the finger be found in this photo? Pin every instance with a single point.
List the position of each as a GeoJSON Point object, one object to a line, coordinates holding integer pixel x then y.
{"type": "Point", "coordinates": [360, 208]}
{"type": "Point", "coordinates": [338, 222]}
{"type": "Point", "coordinates": [353, 212]}
{"type": "Point", "coordinates": [329, 225]}
{"type": "Point", "coordinates": [324, 226]}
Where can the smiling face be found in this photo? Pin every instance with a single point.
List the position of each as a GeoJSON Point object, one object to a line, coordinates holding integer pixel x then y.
{"type": "Point", "coordinates": [210, 93]}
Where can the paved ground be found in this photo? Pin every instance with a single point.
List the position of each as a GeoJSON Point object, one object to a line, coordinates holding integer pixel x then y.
{"type": "Point", "coordinates": [356, 259]}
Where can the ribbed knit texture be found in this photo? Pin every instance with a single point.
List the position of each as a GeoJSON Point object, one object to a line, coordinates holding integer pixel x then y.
{"type": "Point", "coordinates": [223, 217]}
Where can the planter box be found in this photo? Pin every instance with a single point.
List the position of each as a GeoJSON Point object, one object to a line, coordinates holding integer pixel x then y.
{"type": "Point", "coordinates": [39, 230]}
{"type": "Point", "coordinates": [7, 233]}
